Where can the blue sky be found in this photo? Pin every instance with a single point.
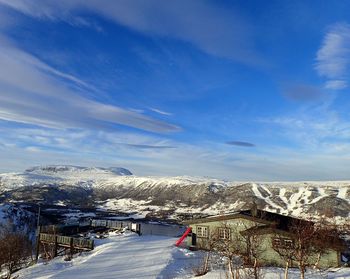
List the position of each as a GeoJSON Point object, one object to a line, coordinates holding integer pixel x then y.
{"type": "Point", "coordinates": [239, 90]}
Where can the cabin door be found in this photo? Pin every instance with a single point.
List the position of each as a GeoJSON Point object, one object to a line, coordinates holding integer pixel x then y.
{"type": "Point", "coordinates": [194, 239]}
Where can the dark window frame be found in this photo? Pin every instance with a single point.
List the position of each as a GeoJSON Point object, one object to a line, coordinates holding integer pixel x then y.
{"type": "Point", "coordinates": [201, 234]}
{"type": "Point", "coordinates": [282, 242]}
{"type": "Point", "coordinates": [226, 232]}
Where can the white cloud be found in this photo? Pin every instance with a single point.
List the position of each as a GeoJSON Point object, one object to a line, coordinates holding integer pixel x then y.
{"type": "Point", "coordinates": [319, 130]}
{"type": "Point", "coordinates": [162, 112]}
{"type": "Point", "coordinates": [82, 140]}
{"type": "Point", "coordinates": [33, 149]}
{"type": "Point", "coordinates": [35, 93]}
{"type": "Point", "coordinates": [333, 58]}
{"type": "Point", "coordinates": [106, 148]}
{"type": "Point", "coordinates": [29, 88]}
{"type": "Point", "coordinates": [204, 24]}
{"type": "Point", "coordinates": [272, 164]}
{"type": "Point", "coordinates": [336, 84]}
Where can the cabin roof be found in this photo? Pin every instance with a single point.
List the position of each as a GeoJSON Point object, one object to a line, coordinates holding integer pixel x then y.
{"type": "Point", "coordinates": [278, 221]}
{"type": "Point", "coordinates": [260, 230]}
{"type": "Point", "coordinates": [238, 215]}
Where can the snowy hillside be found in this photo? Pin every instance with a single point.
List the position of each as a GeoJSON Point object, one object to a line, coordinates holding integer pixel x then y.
{"type": "Point", "coordinates": [118, 189]}
{"type": "Point", "coordinates": [17, 218]}
{"type": "Point", "coordinates": [152, 257]}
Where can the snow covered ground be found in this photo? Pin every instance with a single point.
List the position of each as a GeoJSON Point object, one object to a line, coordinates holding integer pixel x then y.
{"type": "Point", "coordinates": [119, 256]}
{"type": "Point", "coordinates": [133, 256]}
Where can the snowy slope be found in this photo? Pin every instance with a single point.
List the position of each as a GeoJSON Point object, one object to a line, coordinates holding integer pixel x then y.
{"type": "Point", "coordinates": [120, 256]}
{"type": "Point", "coordinates": [17, 218]}
{"type": "Point", "coordinates": [131, 256]}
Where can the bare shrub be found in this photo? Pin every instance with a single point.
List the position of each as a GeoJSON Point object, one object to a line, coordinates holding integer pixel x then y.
{"type": "Point", "coordinates": [284, 248]}
{"type": "Point", "coordinates": [15, 250]}
{"type": "Point", "coordinates": [303, 241]}
{"type": "Point", "coordinates": [204, 265]}
{"type": "Point", "coordinates": [228, 244]}
{"type": "Point", "coordinates": [253, 242]}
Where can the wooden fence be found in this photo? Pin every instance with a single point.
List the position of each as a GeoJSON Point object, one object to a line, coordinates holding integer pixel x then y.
{"type": "Point", "coordinates": [65, 228]}
{"type": "Point", "coordinates": [111, 224]}
{"type": "Point", "coordinates": [62, 228]}
{"type": "Point", "coordinates": [67, 241]}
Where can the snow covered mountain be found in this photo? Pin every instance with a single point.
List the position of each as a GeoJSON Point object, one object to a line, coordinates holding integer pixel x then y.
{"type": "Point", "coordinates": [76, 170]}
{"type": "Point", "coordinates": [118, 189]}
{"type": "Point", "coordinates": [52, 174]}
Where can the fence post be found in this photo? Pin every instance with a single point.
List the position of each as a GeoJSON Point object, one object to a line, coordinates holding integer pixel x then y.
{"type": "Point", "coordinates": [37, 245]}
{"type": "Point", "coordinates": [55, 247]}
{"type": "Point", "coordinates": [71, 247]}
{"type": "Point", "coordinates": [38, 228]}
{"type": "Point", "coordinates": [138, 229]}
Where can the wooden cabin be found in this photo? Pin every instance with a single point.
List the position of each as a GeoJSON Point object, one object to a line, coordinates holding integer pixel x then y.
{"type": "Point", "coordinates": [272, 230]}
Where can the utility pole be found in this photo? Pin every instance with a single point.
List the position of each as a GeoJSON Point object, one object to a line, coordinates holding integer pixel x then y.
{"type": "Point", "coordinates": [38, 234]}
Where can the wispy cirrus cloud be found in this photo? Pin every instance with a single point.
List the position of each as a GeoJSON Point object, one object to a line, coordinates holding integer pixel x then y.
{"type": "Point", "coordinates": [203, 24]}
{"type": "Point", "coordinates": [333, 58]}
{"type": "Point", "coordinates": [336, 84]}
{"type": "Point", "coordinates": [109, 149]}
{"type": "Point", "coordinates": [70, 140]}
{"type": "Point", "coordinates": [162, 112]}
{"type": "Point", "coordinates": [29, 87]}
{"type": "Point", "coordinates": [241, 143]}
{"type": "Point", "coordinates": [147, 146]}
{"type": "Point", "coordinates": [314, 129]}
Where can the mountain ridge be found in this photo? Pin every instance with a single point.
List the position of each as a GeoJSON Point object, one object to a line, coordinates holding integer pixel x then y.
{"type": "Point", "coordinates": [118, 189]}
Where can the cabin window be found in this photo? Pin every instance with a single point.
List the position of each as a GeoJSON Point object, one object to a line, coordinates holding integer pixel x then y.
{"type": "Point", "coordinates": [288, 243]}
{"type": "Point", "coordinates": [276, 242]}
{"type": "Point", "coordinates": [224, 233]}
{"type": "Point", "coordinates": [202, 231]}
{"type": "Point", "coordinates": [282, 242]}
{"type": "Point", "coordinates": [345, 257]}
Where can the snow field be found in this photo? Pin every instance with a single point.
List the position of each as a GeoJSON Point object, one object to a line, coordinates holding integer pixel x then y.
{"type": "Point", "coordinates": [119, 256]}
{"type": "Point", "coordinates": [132, 256]}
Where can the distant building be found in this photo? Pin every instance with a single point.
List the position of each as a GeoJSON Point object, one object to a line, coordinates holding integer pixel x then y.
{"type": "Point", "coordinates": [273, 230]}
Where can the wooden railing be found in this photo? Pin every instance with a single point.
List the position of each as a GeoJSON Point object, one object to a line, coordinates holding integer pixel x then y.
{"type": "Point", "coordinates": [67, 241]}
{"type": "Point", "coordinates": [111, 224]}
